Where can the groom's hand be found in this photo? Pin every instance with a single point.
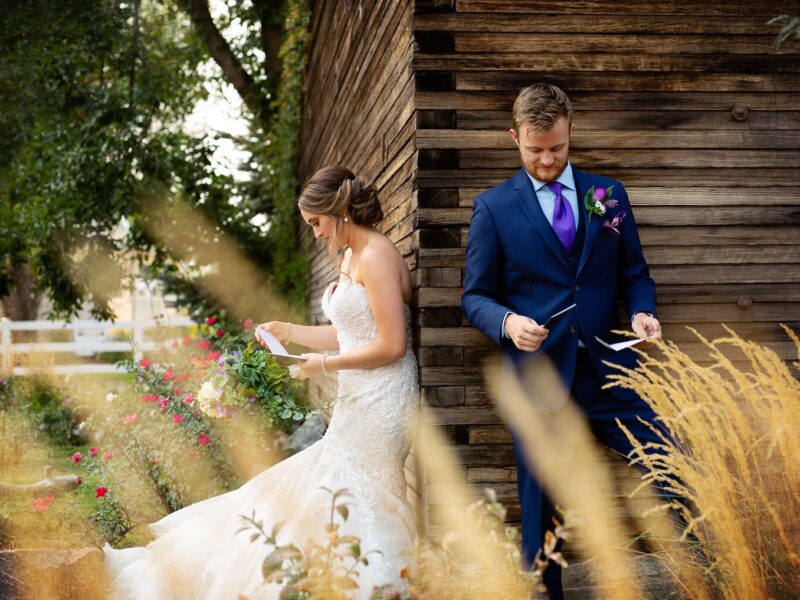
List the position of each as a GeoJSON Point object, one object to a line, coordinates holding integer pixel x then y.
{"type": "Point", "coordinates": [526, 333]}
{"type": "Point", "coordinates": [646, 326]}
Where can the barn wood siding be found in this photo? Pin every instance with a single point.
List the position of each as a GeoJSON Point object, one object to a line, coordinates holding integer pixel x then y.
{"type": "Point", "coordinates": [688, 104]}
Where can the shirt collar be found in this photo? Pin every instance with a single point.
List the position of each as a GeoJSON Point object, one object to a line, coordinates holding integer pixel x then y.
{"type": "Point", "coordinates": [566, 179]}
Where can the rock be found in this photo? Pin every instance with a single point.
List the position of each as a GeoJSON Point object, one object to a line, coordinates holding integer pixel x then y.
{"type": "Point", "coordinates": [45, 574]}
{"type": "Point", "coordinates": [309, 432]}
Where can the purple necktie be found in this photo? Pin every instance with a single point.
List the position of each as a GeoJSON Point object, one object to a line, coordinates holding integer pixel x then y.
{"type": "Point", "coordinates": [563, 218]}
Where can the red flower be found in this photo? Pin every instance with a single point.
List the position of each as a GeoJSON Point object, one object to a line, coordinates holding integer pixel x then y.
{"type": "Point", "coordinates": [204, 344]}
{"type": "Point", "coordinates": [220, 333]}
{"type": "Point", "coordinates": [203, 439]}
{"type": "Point", "coordinates": [187, 340]}
{"type": "Point", "coordinates": [76, 458]}
{"type": "Point", "coordinates": [183, 377]}
{"type": "Point", "coordinates": [248, 324]}
{"type": "Point", "coordinates": [129, 419]}
{"type": "Point", "coordinates": [93, 452]}
{"type": "Point", "coordinates": [42, 504]}
{"type": "Point", "coordinates": [168, 375]}
{"type": "Point", "coordinates": [163, 403]}
{"type": "Point", "coordinates": [78, 480]}
{"type": "Point", "coordinates": [212, 356]}
{"type": "Point", "coordinates": [178, 390]}
{"type": "Point", "coordinates": [100, 492]}
{"type": "Point", "coordinates": [211, 320]}
{"type": "Point", "coordinates": [188, 398]}
{"type": "Point", "coordinates": [145, 363]}
{"type": "Point", "coordinates": [177, 419]}
{"type": "Point", "coordinates": [108, 455]}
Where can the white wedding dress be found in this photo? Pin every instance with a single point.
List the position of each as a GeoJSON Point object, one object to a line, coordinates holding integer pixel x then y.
{"type": "Point", "coordinates": [197, 552]}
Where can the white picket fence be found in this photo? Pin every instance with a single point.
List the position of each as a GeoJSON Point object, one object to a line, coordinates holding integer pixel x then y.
{"type": "Point", "coordinates": [89, 337]}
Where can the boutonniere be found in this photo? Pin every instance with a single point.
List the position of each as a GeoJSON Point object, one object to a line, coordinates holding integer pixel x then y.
{"type": "Point", "coordinates": [597, 202]}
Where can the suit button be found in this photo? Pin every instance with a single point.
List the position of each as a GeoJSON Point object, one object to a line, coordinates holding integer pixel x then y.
{"type": "Point", "coordinates": [577, 288]}
{"type": "Point", "coordinates": [573, 330]}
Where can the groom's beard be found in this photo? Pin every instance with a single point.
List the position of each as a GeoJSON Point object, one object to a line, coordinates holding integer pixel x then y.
{"type": "Point", "coordinates": [550, 173]}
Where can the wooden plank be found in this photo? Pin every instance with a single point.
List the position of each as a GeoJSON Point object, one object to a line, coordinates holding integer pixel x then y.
{"type": "Point", "coordinates": [495, 22]}
{"type": "Point", "coordinates": [678, 293]}
{"type": "Point", "coordinates": [449, 376]}
{"type": "Point", "coordinates": [618, 139]}
{"type": "Point", "coordinates": [764, 333]}
{"type": "Point", "coordinates": [720, 177]}
{"type": "Point", "coordinates": [583, 101]}
{"type": "Point", "coordinates": [728, 313]}
{"type": "Point", "coordinates": [719, 215]}
{"type": "Point", "coordinates": [717, 236]}
{"type": "Point", "coordinates": [572, 81]}
{"type": "Point", "coordinates": [548, 61]}
{"type": "Point", "coordinates": [441, 257]}
{"type": "Point", "coordinates": [697, 274]}
{"type": "Point", "coordinates": [726, 292]}
{"type": "Point", "coordinates": [368, 61]}
{"type": "Point", "coordinates": [720, 255]}
{"type": "Point", "coordinates": [624, 9]}
{"type": "Point", "coordinates": [589, 41]}
{"type": "Point", "coordinates": [492, 475]}
{"type": "Point", "coordinates": [664, 215]}
{"type": "Point", "coordinates": [452, 336]}
{"type": "Point", "coordinates": [489, 435]}
{"type": "Point", "coordinates": [664, 120]}
{"type": "Point", "coordinates": [646, 158]}
{"type": "Point", "coordinates": [464, 415]}
{"type": "Point", "coordinates": [681, 196]}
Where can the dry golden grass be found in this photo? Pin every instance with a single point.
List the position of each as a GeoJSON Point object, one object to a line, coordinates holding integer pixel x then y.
{"type": "Point", "coordinates": [735, 455]}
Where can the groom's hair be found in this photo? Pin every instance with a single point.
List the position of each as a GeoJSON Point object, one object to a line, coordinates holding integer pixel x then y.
{"type": "Point", "coordinates": [540, 105]}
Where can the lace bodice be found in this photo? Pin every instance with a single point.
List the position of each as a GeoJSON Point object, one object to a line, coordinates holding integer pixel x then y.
{"type": "Point", "coordinates": [372, 413]}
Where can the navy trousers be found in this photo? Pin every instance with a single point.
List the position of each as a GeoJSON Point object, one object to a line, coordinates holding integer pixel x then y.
{"type": "Point", "coordinates": [601, 409]}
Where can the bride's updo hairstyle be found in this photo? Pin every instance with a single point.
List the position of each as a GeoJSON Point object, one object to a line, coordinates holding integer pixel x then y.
{"type": "Point", "coordinates": [334, 191]}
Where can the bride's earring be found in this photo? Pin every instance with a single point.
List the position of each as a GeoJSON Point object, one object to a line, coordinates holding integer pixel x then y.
{"type": "Point", "coordinates": [345, 219]}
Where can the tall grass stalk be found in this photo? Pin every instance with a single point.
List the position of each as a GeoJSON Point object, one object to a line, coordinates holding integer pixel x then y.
{"type": "Point", "coordinates": [734, 453]}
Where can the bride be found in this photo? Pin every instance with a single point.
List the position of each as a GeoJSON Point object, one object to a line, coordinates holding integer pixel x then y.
{"type": "Point", "coordinates": [197, 552]}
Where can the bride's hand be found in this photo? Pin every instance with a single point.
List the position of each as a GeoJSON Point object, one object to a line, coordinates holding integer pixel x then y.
{"type": "Point", "coordinates": [311, 367]}
{"type": "Point", "coordinates": [279, 329]}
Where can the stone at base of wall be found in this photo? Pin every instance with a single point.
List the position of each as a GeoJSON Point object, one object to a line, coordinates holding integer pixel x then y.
{"type": "Point", "coordinates": [309, 432]}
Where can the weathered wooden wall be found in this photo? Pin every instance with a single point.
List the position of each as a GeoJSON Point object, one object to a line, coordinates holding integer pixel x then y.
{"type": "Point", "coordinates": [359, 113]}
{"type": "Point", "coordinates": [687, 103]}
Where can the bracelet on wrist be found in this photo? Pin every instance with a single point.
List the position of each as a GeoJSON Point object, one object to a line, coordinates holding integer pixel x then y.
{"type": "Point", "coordinates": [324, 370]}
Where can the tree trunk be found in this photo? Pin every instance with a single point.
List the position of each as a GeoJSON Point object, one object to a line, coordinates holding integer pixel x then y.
{"type": "Point", "coordinates": [22, 303]}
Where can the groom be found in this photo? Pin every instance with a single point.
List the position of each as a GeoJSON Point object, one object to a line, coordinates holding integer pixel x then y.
{"type": "Point", "coordinates": [549, 237]}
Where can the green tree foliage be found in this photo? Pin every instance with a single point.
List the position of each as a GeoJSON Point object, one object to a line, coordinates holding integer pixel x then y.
{"type": "Point", "coordinates": [94, 95]}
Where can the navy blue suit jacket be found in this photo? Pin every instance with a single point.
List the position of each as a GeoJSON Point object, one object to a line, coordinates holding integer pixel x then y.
{"type": "Point", "coordinates": [516, 263]}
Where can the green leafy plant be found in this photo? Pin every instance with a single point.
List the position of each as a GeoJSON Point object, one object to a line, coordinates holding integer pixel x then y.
{"type": "Point", "coordinates": [319, 570]}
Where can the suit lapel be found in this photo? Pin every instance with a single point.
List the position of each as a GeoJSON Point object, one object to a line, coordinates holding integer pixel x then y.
{"type": "Point", "coordinates": [526, 197]}
{"type": "Point", "coordinates": [583, 183]}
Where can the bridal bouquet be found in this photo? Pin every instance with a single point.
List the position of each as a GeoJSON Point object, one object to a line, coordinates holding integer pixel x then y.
{"type": "Point", "coordinates": [253, 381]}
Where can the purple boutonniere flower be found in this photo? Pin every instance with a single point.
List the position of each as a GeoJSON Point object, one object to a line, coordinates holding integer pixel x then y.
{"type": "Point", "coordinates": [613, 223]}
{"type": "Point", "coordinates": [598, 200]}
